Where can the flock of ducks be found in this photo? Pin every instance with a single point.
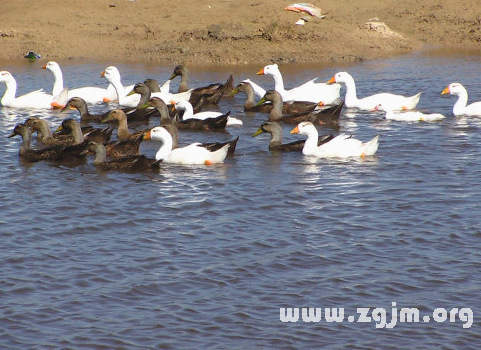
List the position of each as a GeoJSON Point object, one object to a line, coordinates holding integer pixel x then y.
{"type": "Point", "coordinates": [306, 105]}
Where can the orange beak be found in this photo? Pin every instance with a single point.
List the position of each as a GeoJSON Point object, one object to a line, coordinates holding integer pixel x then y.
{"type": "Point", "coordinates": [147, 136]}
{"type": "Point", "coordinates": [332, 80]}
{"type": "Point", "coordinates": [445, 91]}
{"type": "Point", "coordinates": [295, 130]}
{"type": "Point", "coordinates": [106, 100]}
{"type": "Point", "coordinates": [320, 104]}
{"type": "Point", "coordinates": [261, 72]}
{"type": "Point", "coordinates": [102, 74]}
{"type": "Point", "coordinates": [44, 67]}
{"type": "Point", "coordinates": [56, 105]}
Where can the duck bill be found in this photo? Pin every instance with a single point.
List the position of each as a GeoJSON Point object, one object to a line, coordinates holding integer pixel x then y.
{"type": "Point", "coordinates": [12, 134]}
{"type": "Point", "coordinates": [445, 91]}
{"type": "Point", "coordinates": [295, 130]}
{"type": "Point", "coordinates": [233, 92]}
{"type": "Point", "coordinates": [261, 72]}
{"type": "Point", "coordinates": [59, 128]}
{"type": "Point", "coordinates": [102, 74]}
{"type": "Point", "coordinates": [131, 93]}
{"type": "Point", "coordinates": [172, 76]}
{"type": "Point", "coordinates": [258, 132]}
{"type": "Point", "coordinates": [262, 100]}
{"type": "Point", "coordinates": [147, 136]}
{"type": "Point", "coordinates": [332, 80]}
{"type": "Point", "coordinates": [144, 106]}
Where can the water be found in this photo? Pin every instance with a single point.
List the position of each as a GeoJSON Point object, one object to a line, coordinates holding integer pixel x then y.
{"type": "Point", "coordinates": [204, 257]}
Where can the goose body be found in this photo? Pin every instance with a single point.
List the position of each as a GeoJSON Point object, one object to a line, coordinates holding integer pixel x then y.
{"type": "Point", "coordinates": [189, 113]}
{"type": "Point", "coordinates": [341, 146]}
{"type": "Point", "coordinates": [90, 94]}
{"type": "Point", "coordinates": [409, 116]}
{"type": "Point", "coordinates": [461, 106]}
{"type": "Point", "coordinates": [37, 99]}
{"type": "Point", "coordinates": [195, 153]}
{"type": "Point", "coordinates": [395, 102]}
{"type": "Point", "coordinates": [309, 91]}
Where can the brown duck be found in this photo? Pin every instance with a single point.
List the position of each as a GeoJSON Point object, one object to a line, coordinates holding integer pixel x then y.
{"type": "Point", "coordinates": [276, 144]}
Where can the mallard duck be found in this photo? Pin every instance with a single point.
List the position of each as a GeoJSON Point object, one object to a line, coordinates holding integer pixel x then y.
{"type": "Point", "coordinates": [44, 134]}
{"type": "Point", "coordinates": [72, 127]}
{"type": "Point", "coordinates": [189, 113]}
{"type": "Point", "coordinates": [290, 107]}
{"type": "Point", "coordinates": [138, 113]}
{"type": "Point", "coordinates": [195, 153]}
{"type": "Point", "coordinates": [395, 102]}
{"type": "Point", "coordinates": [212, 93]}
{"type": "Point", "coordinates": [58, 153]}
{"type": "Point", "coordinates": [80, 105]}
{"type": "Point", "coordinates": [327, 115]}
{"type": "Point", "coordinates": [341, 146]}
{"type": "Point", "coordinates": [276, 144]}
{"type": "Point", "coordinates": [309, 91]}
{"type": "Point", "coordinates": [461, 106]}
{"type": "Point", "coordinates": [129, 163]}
{"type": "Point", "coordinates": [123, 133]}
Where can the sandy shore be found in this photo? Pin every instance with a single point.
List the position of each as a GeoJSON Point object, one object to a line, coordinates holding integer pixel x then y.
{"type": "Point", "coordinates": [233, 32]}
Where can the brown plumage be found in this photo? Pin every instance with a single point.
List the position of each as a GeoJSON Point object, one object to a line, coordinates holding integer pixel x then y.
{"type": "Point", "coordinates": [80, 105]}
{"type": "Point", "coordinates": [328, 115]}
{"type": "Point", "coordinates": [288, 108]}
{"type": "Point", "coordinates": [129, 163]}
{"type": "Point", "coordinates": [212, 93]}
{"type": "Point", "coordinates": [58, 153]}
{"type": "Point", "coordinates": [123, 133]}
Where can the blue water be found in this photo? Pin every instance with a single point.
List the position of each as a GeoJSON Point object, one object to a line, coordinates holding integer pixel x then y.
{"type": "Point", "coordinates": [204, 257]}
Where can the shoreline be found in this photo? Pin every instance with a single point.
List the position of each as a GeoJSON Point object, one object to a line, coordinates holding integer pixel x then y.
{"type": "Point", "coordinates": [228, 33]}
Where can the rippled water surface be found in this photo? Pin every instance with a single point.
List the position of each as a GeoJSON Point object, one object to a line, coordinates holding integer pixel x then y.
{"type": "Point", "coordinates": [204, 257]}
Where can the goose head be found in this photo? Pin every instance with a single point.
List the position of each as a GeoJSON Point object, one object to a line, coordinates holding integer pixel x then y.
{"type": "Point", "coordinates": [454, 89]}
{"type": "Point", "coordinates": [6, 77]}
{"type": "Point", "coordinates": [341, 78]}
{"type": "Point", "coordinates": [304, 128]}
{"type": "Point", "coordinates": [52, 66]}
{"type": "Point", "coordinates": [271, 69]}
{"type": "Point", "coordinates": [158, 133]}
{"type": "Point", "coordinates": [111, 73]}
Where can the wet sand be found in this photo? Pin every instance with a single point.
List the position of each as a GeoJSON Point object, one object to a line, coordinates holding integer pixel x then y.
{"type": "Point", "coordinates": [233, 32]}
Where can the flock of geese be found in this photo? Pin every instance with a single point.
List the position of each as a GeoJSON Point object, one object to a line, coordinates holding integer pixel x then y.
{"type": "Point", "coordinates": [307, 105]}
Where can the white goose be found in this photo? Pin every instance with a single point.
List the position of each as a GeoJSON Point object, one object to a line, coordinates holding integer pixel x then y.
{"type": "Point", "coordinates": [342, 146]}
{"type": "Point", "coordinates": [309, 91]}
{"type": "Point", "coordinates": [35, 99]}
{"type": "Point", "coordinates": [408, 116]}
{"type": "Point", "coordinates": [90, 94]}
{"type": "Point", "coordinates": [195, 153]}
{"type": "Point", "coordinates": [461, 106]}
{"type": "Point", "coordinates": [113, 77]}
{"type": "Point", "coordinates": [185, 106]}
{"type": "Point", "coordinates": [396, 102]}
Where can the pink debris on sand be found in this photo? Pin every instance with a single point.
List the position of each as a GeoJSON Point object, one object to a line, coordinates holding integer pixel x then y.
{"type": "Point", "coordinates": [305, 7]}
